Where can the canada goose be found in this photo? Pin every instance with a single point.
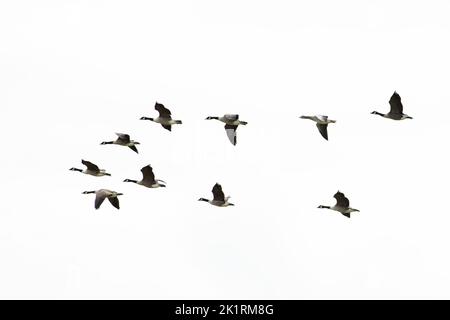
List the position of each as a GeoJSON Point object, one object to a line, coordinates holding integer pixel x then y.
{"type": "Point", "coordinates": [102, 194]}
{"type": "Point", "coordinates": [321, 123]}
{"type": "Point", "coordinates": [91, 169]}
{"type": "Point", "coordinates": [148, 179]}
{"type": "Point", "coordinates": [165, 118]}
{"type": "Point", "coordinates": [219, 199]}
{"type": "Point", "coordinates": [342, 205]}
{"type": "Point", "coordinates": [231, 123]}
{"type": "Point", "coordinates": [396, 112]}
{"type": "Point", "coordinates": [124, 140]}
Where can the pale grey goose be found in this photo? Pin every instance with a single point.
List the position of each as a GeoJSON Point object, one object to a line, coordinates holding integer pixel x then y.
{"type": "Point", "coordinates": [102, 194]}
{"type": "Point", "coordinates": [219, 198]}
{"type": "Point", "coordinates": [91, 169]}
{"type": "Point", "coordinates": [165, 117]}
{"type": "Point", "coordinates": [321, 123]}
{"type": "Point", "coordinates": [396, 112]}
{"type": "Point", "coordinates": [231, 124]}
{"type": "Point", "coordinates": [124, 140]}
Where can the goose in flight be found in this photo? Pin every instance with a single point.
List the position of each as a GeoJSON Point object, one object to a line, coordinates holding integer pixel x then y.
{"type": "Point", "coordinates": [342, 205]}
{"type": "Point", "coordinates": [321, 123]}
{"type": "Point", "coordinates": [91, 169]}
{"type": "Point", "coordinates": [124, 140]}
{"type": "Point", "coordinates": [231, 123]}
{"type": "Point", "coordinates": [164, 118]}
{"type": "Point", "coordinates": [396, 112]}
{"type": "Point", "coordinates": [148, 179]}
{"type": "Point", "coordinates": [219, 199]}
{"type": "Point", "coordinates": [102, 194]}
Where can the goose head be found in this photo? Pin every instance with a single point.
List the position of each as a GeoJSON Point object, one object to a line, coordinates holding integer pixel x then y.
{"type": "Point", "coordinates": [88, 192]}
{"type": "Point", "coordinates": [147, 118]}
{"type": "Point", "coordinates": [211, 118]}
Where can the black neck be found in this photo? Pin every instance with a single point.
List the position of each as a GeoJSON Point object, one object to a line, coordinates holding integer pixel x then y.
{"type": "Point", "coordinates": [203, 199]}
{"type": "Point", "coordinates": [129, 180]}
{"type": "Point", "coordinates": [76, 169]}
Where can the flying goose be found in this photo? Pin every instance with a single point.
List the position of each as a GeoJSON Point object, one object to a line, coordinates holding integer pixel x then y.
{"type": "Point", "coordinates": [321, 123]}
{"type": "Point", "coordinates": [148, 179]}
{"type": "Point", "coordinates": [396, 112]}
{"type": "Point", "coordinates": [124, 140]}
{"type": "Point", "coordinates": [219, 199]}
{"type": "Point", "coordinates": [231, 123]}
{"type": "Point", "coordinates": [165, 118]}
{"type": "Point", "coordinates": [91, 169]}
{"type": "Point", "coordinates": [342, 205]}
{"type": "Point", "coordinates": [102, 194]}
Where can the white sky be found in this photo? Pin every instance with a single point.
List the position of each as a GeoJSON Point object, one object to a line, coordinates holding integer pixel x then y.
{"type": "Point", "coordinates": [75, 72]}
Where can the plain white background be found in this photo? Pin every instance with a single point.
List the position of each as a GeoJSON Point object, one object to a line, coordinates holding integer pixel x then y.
{"type": "Point", "coordinates": [74, 72]}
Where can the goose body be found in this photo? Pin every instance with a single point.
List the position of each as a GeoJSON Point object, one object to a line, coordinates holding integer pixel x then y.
{"type": "Point", "coordinates": [321, 123]}
{"type": "Point", "coordinates": [148, 179]}
{"type": "Point", "coordinates": [164, 118]}
{"type": "Point", "coordinates": [396, 112]}
{"type": "Point", "coordinates": [342, 205]}
{"type": "Point", "coordinates": [91, 169]}
{"type": "Point", "coordinates": [231, 124]}
{"type": "Point", "coordinates": [123, 140]}
{"type": "Point", "coordinates": [219, 199]}
{"type": "Point", "coordinates": [102, 194]}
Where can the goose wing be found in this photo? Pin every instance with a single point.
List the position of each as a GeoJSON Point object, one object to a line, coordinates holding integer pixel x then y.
{"type": "Point", "coordinates": [163, 111]}
{"type": "Point", "coordinates": [125, 138]}
{"type": "Point", "coordinates": [114, 201]}
{"type": "Point", "coordinates": [99, 198]}
{"type": "Point", "coordinates": [218, 193]}
{"type": "Point", "coordinates": [323, 130]}
{"type": "Point", "coordinates": [167, 127]}
{"type": "Point", "coordinates": [231, 133]}
{"type": "Point", "coordinates": [90, 166]}
{"type": "Point", "coordinates": [341, 200]}
{"type": "Point", "coordinates": [133, 148]}
{"type": "Point", "coordinates": [148, 175]}
{"type": "Point", "coordinates": [396, 103]}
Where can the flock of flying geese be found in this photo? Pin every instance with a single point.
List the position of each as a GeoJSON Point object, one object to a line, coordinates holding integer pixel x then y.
{"type": "Point", "coordinates": [231, 124]}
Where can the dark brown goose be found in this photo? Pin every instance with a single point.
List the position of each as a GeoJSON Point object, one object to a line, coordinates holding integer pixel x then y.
{"type": "Point", "coordinates": [396, 112]}
{"type": "Point", "coordinates": [342, 205]}
{"type": "Point", "coordinates": [165, 117]}
{"type": "Point", "coordinates": [219, 198]}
